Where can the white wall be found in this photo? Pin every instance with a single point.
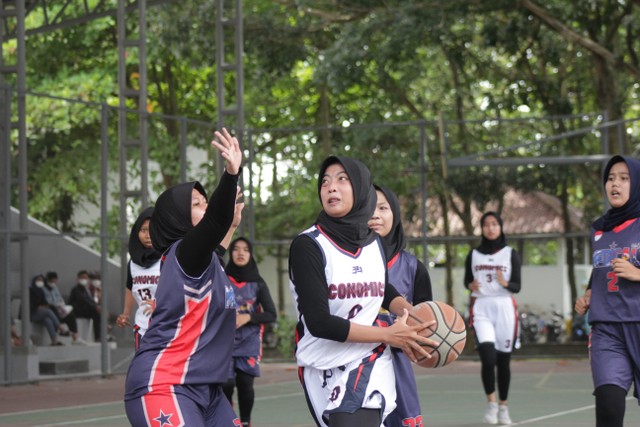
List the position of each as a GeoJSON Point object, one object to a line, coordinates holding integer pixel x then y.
{"type": "Point", "coordinates": [543, 287]}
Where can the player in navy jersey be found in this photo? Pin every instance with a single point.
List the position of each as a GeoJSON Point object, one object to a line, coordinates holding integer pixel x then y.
{"type": "Point", "coordinates": [613, 299]}
{"type": "Point", "coordinates": [492, 274]}
{"type": "Point", "coordinates": [410, 278]}
{"type": "Point", "coordinates": [143, 272]}
{"type": "Point", "coordinates": [176, 376]}
{"type": "Point", "coordinates": [255, 308]}
{"type": "Point", "coordinates": [338, 281]}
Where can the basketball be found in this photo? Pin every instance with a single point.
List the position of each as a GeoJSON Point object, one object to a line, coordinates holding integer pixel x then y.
{"type": "Point", "coordinates": [449, 329]}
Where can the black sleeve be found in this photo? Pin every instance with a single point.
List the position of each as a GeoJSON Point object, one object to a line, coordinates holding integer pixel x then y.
{"type": "Point", "coordinates": [196, 248]}
{"type": "Point", "coordinates": [390, 293]}
{"type": "Point", "coordinates": [306, 270]}
{"type": "Point", "coordinates": [268, 314]}
{"type": "Point", "coordinates": [468, 273]}
{"type": "Point", "coordinates": [422, 285]}
{"type": "Point", "coordinates": [129, 278]}
{"type": "Point", "coordinates": [590, 279]}
{"type": "Point", "coordinates": [516, 266]}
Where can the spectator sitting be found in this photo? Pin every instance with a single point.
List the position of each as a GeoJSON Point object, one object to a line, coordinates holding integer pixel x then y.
{"type": "Point", "coordinates": [95, 285]}
{"type": "Point", "coordinates": [60, 307]}
{"type": "Point", "coordinates": [40, 312]}
{"type": "Point", "coordinates": [83, 303]}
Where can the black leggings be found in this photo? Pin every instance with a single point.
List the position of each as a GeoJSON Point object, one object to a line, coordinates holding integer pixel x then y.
{"type": "Point", "coordinates": [492, 359]}
{"type": "Point", "coordinates": [362, 417]}
{"type": "Point", "coordinates": [246, 394]}
{"type": "Point", "coordinates": [610, 406]}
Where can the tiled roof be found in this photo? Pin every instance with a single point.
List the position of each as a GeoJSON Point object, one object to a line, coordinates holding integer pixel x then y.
{"type": "Point", "coordinates": [522, 213]}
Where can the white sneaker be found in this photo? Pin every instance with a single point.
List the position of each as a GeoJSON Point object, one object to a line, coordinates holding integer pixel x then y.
{"type": "Point", "coordinates": [80, 341]}
{"type": "Point", "coordinates": [503, 414]}
{"type": "Point", "coordinates": [491, 413]}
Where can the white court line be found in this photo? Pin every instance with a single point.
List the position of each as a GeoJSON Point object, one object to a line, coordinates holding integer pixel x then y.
{"type": "Point", "coordinates": [113, 417]}
{"type": "Point", "coordinates": [68, 423]}
{"type": "Point", "coordinates": [559, 414]}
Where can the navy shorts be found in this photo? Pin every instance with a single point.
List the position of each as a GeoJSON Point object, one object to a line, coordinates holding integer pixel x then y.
{"type": "Point", "coordinates": [166, 408]}
{"type": "Point", "coordinates": [246, 364]}
{"type": "Point", "coordinates": [614, 353]}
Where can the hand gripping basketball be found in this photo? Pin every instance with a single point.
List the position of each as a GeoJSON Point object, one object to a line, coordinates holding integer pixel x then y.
{"type": "Point", "coordinates": [449, 330]}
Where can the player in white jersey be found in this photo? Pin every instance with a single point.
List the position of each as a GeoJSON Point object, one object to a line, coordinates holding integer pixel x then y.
{"type": "Point", "coordinates": [492, 274]}
{"type": "Point", "coordinates": [337, 272]}
{"type": "Point", "coordinates": [143, 272]}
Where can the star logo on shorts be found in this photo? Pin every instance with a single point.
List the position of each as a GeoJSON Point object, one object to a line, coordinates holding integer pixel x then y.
{"type": "Point", "coordinates": [163, 419]}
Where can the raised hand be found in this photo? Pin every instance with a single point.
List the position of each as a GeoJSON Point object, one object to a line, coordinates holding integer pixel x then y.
{"type": "Point", "coordinates": [229, 149]}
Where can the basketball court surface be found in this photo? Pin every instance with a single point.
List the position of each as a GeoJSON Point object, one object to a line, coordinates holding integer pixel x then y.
{"type": "Point", "coordinates": [544, 392]}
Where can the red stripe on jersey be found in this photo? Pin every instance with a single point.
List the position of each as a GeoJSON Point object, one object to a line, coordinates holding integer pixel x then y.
{"type": "Point", "coordinates": [236, 283]}
{"type": "Point", "coordinates": [393, 261]}
{"type": "Point", "coordinates": [172, 363]}
{"type": "Point", "coordinates": [161, 410]}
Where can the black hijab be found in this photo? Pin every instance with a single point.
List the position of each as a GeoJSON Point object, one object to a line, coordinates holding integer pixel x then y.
{"type": "Point", "coordinates": [487, 246]}
{"type": "Point", "coordinates": [616, 216]}
{"type": "Point", "coordinates": [171, 219]}
{"type": "Point", "coordinates": [248, 273]}
{"type": "Point", "coordinates": [351, 231]}
{"type": "Point", "coordinates": [141, 255]}
{"type": "Point", "coordinates": [393, 242]}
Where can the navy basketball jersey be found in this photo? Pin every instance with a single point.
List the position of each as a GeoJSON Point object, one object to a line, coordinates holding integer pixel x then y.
{"type": "Point", "coordinates": [402, 272]}
{"type": "Point", "coordinates": [614, 299]}
{"type": "Point", "coordinates": [191, 331]}
{"type": "Point", "coordinates": [248, 341]}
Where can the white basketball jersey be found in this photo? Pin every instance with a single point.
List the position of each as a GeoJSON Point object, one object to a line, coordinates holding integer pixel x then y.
{"type": "Point", "coordinates": [144, 283]}
{"type": "Point", "coordinates": [356, 289]}
{"type": "Point", "coordinates": [485, 267]}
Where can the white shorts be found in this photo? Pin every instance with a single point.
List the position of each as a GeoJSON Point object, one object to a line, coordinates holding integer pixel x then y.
{"type": "Point", "coordinates": [495, 319]}
{"type": "Point", "coordinates": [367, 383]}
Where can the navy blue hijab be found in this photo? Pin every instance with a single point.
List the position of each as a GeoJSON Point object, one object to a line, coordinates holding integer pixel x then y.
{"type": "Point", "coordinates": [630, 210]}
{"type": "Point", "coordinates": [393, 242]}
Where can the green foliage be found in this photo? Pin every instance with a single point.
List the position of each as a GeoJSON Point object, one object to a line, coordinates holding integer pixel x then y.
{"type": "Point", "coordinates": [285, 330]}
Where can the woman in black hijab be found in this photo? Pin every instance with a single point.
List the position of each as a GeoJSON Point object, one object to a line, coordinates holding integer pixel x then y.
{"type": "Point", "coordinates": [176, 375]}
{"type": "Point", "coordinates": [410, 278]}
{"type": "Point", "coordinates": [255, 309]}
{"type": "Point", "coordinates": [492, 274]}
{"type": "Point", "coordinates": [337, 272]}
{"type": "Point", "coordinates": [143, 272]}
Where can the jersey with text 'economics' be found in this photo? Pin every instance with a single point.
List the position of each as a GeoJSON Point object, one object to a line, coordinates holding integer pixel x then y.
{"type": "Point", "coordinates": [355, 285]}
{"type": "Point", "coordinates": [248, 341]}
{"type": "Point", "coordinates": [485, 268]}
{"type": "Point", "coordinates": [401, 270]}
{"type": "Point", "coordinates": [191, 331]}
{"type": "Point", "coordinates": [143, 288]}
{"type": "Point", "coordinates": [614, 299]}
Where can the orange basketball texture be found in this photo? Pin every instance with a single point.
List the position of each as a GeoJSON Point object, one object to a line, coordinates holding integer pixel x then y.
{"type": "Point", "coordinates": [449, 330]}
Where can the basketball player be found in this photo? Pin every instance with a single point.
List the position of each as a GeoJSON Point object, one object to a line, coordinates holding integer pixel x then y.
{"type": "Point", "coordinates": [337, 272]}
{"type": "Point", "coordinates": [492, 274]}
{"type": "Point", "coordinates": [613, 299]}
{"type": "Point", "coordinates": [143, 272]}
{"type": "Point", "coordinates": [410, 278]}
{"type": "Point", "coordinates": [255, 308]}
{"type": "Point", "coordinates": [176, 376]}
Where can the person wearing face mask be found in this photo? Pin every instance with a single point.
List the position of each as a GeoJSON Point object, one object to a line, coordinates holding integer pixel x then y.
{"type": "Point", "coordinates": [84, 304]}
{"type": "Point", "coordinates": [95, 285]}
{"type": "Point", "coordinates": [255, 308]}
{"type": "Point", "coordinates": [177, 373]}
{"type": "Point", "coordinates": [63, 310]}
{"type": "Point", "coordinates": [40, 312]}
